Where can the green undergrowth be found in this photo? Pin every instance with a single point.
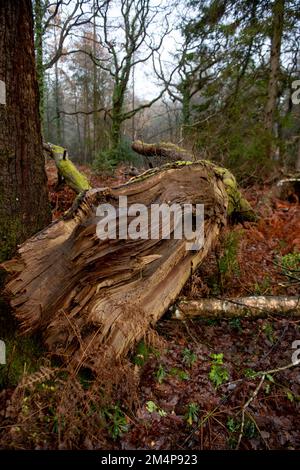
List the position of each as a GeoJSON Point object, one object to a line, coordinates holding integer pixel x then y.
{"type": "Point", "coordinates": [23, 354]}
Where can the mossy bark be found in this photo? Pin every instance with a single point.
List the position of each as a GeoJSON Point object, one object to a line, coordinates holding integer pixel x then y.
{"type": "Point", "coordinates": [66, 168]}
{"type": "Point", "coordinates": [24, 205]}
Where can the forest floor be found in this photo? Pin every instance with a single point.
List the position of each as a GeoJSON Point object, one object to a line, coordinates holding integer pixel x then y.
{"type": "Point", "coordinates": [194, 384]}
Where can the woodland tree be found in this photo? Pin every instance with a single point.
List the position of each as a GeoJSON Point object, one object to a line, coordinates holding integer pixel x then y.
{"type": "Point", "coordinates": [24, 206]}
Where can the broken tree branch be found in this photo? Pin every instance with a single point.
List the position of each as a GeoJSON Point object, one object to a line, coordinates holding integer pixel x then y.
{"type": "Point", "coordinates": [256, 306]}
{"type": "Point", "coordinates": [66, 168]}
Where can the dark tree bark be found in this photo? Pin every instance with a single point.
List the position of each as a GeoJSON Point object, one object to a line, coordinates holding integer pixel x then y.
{"type": "Point", "coordinates": [24, 206]}
{"type": "Point", "coordinates": [277, 30]}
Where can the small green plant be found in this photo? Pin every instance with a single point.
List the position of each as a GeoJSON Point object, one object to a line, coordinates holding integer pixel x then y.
{"type": "Point", "coordinates": [116, 421]}
{"type": "Point", "coordinates": [191, 415]}
{"type": "Point", "coordinates": [250, 430]}
{"type": "Point", "coordinates": [290, 263]}
{"type": "Point", "coordinates": [181, 374]}
{"type": "Point", "coordinates": [228, 264]}
{"type": "Point", "coordinates": [235, 324]}
{"type": "Point", "coordinates": [290, 266]}
{"type": "Point", "coordinates": [154, 408]}
{"type": "Point", "coordinates": [104, 162]}
{"type": "Point", "coordinates": [233, 425]}
{"type": "Point", "coordinates": [263, 287]}
{"type": "Point", "coordinates": [269, 332]}
{"type": "Point", "coordinates": [142, 354]}
{"type": "Point", "coordinates": [268, 383]}
{"type": "Point", "coordinates": [189, 357]}
{"type": "Point", "coordinates": [212, 321]}
{"type": "Point", "coordinates": [218, 373]}
{"type": "Point", "coordinates": [250, 373]}
{"type": "Point", "coordinates": [107, 160]}
{"type": "Point", "coordinates": [160, 374]}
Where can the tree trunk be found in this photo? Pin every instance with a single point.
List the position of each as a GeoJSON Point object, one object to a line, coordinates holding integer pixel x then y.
{"type": "Point", "coordinates": [93, 298]}
{"type": "Point", "coordinates": [58, 136]}
{"type": "Point", "coordinates": [115, 134]}
{"type": "Point", "coordinates": [24, 206]}
{"type": "Point", "coordinates": [271, 105]}
{"type": "Point", "coordinates": [38, 43]}
{"type": "Point", "coordinates": [297, 166]}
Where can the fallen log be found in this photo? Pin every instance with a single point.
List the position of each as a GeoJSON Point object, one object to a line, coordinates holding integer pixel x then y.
{"type": "Point", "coordinates": [163, 152]}
{"type": "Point", "coordinates": [246, 307]}
{"type": "Point", "coordinates": [66, 169]}
{"type": "Point", "coordinates": [90, 297]}
{"type": "Point", "coordinates": [288, 189]}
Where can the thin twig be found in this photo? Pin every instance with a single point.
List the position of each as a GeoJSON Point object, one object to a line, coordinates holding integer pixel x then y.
{"type": "Point", "coordinates": [248, 402]}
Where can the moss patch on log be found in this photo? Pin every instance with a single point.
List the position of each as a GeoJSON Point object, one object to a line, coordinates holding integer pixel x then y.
{"type": "Point", "coordinates": [66, 168]}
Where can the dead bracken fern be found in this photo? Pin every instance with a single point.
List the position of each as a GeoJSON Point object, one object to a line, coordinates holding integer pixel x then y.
{"type": "Point", "coordinates": [29, 381]}
{"type": "Point", "coordinates": [69, 407]}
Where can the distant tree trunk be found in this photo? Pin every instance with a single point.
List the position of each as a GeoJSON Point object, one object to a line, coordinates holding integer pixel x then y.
{"type": "Point", "coordinates": [95, 94]}
{"type": "Point", "coordinates": [38, 42]}
{"type": "Point", "coordinates": [277, 29]}
{"type": "Point", "coordinates": [186, 112]}
{"type": "Point", "coordinates": [24, 206]}
{"type": "Point", "coordinates": [57, 96]}
{"type": "Point", "coordinates": [116, 117]}
{"type": "Point", "coordinates": [298, 158]}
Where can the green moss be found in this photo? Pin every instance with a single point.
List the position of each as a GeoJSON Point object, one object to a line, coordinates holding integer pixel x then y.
{"type": "Point", "coordinates": [73, 177]}
{"type": "Point", "coordinates": [68, 170]}
{"type": "Point", "coordinates": [10, 233]}
{"type": "Point", "coordinates": [228, 264]}
{"type": "Point", "coordinates": [22, 353]}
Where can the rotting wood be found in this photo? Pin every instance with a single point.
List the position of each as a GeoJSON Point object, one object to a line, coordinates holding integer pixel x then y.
{"type": "Point", "coordinates": [91, 298]}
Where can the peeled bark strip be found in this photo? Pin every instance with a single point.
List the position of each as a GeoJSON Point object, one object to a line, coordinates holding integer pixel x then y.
{"type": "Point", "coordinates": [246, 307]}
{"type": "Point", "coordinates": [90, 297]}
{"type": "Point", "coordinates": [66, 168]}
